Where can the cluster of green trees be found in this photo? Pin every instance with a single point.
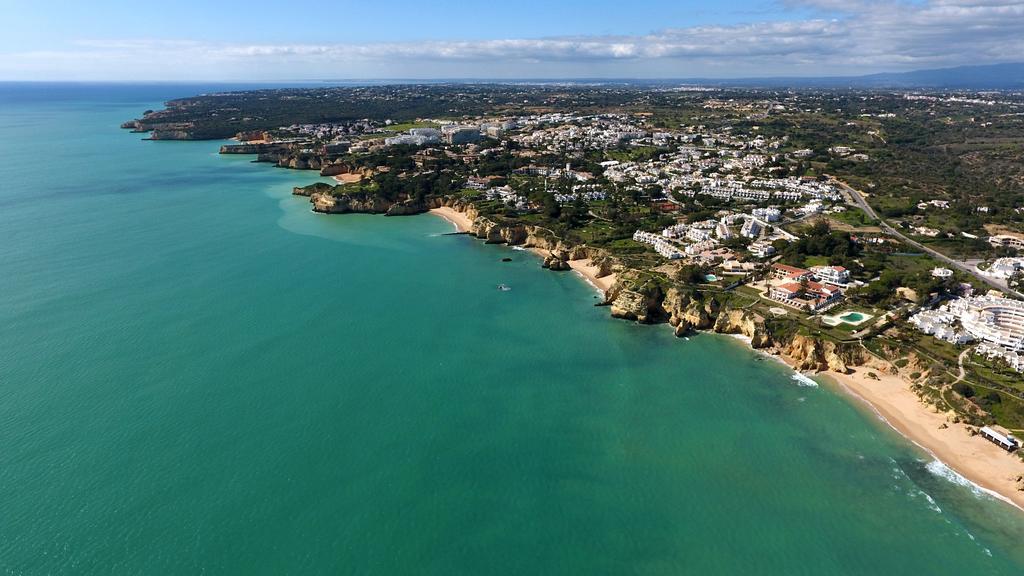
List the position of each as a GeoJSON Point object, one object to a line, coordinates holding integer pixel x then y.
{"type": "Point", "coordinates": [391, 187]}
{"type": "Point", "coordinates": [820, 240]}
{"type": "Point", "coordinates": [883, 290]}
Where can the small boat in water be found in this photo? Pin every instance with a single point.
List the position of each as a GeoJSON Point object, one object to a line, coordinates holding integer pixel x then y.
{"type": "Point", "coordinates": [504, 288]}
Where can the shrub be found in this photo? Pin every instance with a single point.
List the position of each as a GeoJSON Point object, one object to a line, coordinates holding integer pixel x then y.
{"type": "Point", "coordinates": [964, 390]}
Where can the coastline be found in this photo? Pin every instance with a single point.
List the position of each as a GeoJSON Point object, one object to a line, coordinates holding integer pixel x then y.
{"type": "Point", "coordinates": [584, 267]}
{"type": "Point", "coordinates": [461, 222]}
{"type": "Point", "coordinates": [982, 463]}
{"type": "Point", "coordinates": [589, 272]}
{"type": "Point", "coordinates": [347, 178]}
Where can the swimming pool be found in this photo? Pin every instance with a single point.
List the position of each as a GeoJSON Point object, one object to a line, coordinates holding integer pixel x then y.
{"type": "Point", "coordinates": [850, 317]}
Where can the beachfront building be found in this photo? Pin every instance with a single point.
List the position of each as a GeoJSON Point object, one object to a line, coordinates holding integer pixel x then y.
{"type": "Point", "coordinates": [675, 231]}
{"type": "Point", "coordinates": [701, 247]}
{"type": "Point", "coordinates": [996, 322]}
{"type": "Point", "coordinates": [1005, 441]}
{"type": "Point", "coordinates": [737, 267]}
{"type": "Point", "coordinates": [940, 323]}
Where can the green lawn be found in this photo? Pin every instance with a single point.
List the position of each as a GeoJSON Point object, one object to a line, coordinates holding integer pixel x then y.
{"type": "Point", "coordinates": [402, 127]}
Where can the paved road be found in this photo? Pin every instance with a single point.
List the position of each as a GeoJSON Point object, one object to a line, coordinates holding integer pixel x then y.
{"type": "Point", "coordinates": [862, 203]}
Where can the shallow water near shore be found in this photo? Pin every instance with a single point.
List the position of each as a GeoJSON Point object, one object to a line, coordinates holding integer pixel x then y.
{"type": "Point", "coordinates": [197, 374]}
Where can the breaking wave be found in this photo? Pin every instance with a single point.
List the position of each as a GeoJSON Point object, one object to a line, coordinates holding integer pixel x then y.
{"type": "Point", "coordinates": [803, 380]}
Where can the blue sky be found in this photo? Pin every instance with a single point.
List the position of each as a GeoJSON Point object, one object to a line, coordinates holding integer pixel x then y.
{"type": "Point", "coordinates": [312, 39]}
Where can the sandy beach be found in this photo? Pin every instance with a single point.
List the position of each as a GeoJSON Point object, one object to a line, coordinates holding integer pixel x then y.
{"type": "Point", "coordinates": [461, 222]}
{"type": "Point", "coordinates": [589, 271]}
{"type": "Point", "coordinates": [974, 458]}
{"type": "Point", "coordinates": [347, 178]}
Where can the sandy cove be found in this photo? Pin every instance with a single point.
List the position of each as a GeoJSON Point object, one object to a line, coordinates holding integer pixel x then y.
{"type": "Point", "coordinates": [461, 221]}
{"type": "Point", "coordinates": [973, 457]}
{"type": "Point", "coordinates": [347, 178]}
{"type": "Point", "coordinates": [584, 268]}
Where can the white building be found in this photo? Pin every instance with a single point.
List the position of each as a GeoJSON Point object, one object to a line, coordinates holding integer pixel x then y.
{"type": "Point", "coordinates": [761, 249]}
{"type": "Point", "coordinates": [998, 321]}
{"type": "Point", "coordinates": [771, 214]}
{"type": "Point", "coordinates": [1006, 241]}
{"type": "Point", "coordinates": [750, 229]}
{"type": "Point", "coordinates": [1004, 267]}
{"type": "Point", "coordinates": [659, 243]}
{"type": "Point", "coordinates": [832, 274]}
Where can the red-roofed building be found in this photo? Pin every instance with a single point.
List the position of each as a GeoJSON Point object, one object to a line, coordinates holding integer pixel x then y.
{"type": "Point", "coordinates": [783, 271]}
{"type": "Point", "coordinates": [810, 295]}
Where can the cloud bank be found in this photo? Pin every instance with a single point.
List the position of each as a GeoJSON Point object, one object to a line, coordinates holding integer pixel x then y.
{"type": "Point", "coordinates": [864, 36]}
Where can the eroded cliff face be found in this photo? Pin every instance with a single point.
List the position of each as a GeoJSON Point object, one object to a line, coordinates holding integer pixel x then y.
{"type": "Point", "coordinates": [686, 313]}
{"type": "Point", "coordinates": [809, 353]}
{"type": "Point", "coordinates": [327, 203]}
{"type": "Point", "coordinates": [746, 323]}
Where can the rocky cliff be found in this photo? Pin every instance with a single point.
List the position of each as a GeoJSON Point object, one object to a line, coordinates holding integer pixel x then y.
{"type": "Point", "coordinates": [328, 203]}
{"type": "Point", "coordinates": [685, 311]}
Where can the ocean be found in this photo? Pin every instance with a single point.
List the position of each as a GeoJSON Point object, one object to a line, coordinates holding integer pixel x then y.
{"type": "Point", "coordinates": [200, 376]}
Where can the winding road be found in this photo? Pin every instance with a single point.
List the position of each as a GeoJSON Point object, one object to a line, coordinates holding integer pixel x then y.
{"type": "Point", "coordinates": [859, 200]}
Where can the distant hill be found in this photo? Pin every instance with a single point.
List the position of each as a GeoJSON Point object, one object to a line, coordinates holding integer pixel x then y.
{"type": "Point", "coordinates": [990, 77]}
{"type": "Point", "coordinates": [987, 77]}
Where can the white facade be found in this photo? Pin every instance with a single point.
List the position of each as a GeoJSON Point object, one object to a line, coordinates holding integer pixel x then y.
{"type": "Point", "coordinates": [998, 321]}
{"type": "Point", "coordinates": [831, 274]}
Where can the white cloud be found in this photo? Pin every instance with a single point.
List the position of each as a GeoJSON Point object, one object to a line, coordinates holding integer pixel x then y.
{"type": "Point", "coordinates": [866, 36]}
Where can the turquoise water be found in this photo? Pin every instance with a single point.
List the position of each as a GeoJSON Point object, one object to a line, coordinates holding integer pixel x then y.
{"type": "Point", "coordinates": [852, 317]}
{"type": "Point", "coordinates": [198, 375]}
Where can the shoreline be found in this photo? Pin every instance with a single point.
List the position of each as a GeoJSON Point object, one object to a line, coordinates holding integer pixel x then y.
{"type": "Point", "coordinates": [585, 268]}
{"type": "Point", "coordinates": [461, 222]}
{"type": "Point", "coordinates": [980, 462]}
{"type": "Point", "coordinates": [986, 466]}
{"type": "Point", "coordinates": [347, 178]}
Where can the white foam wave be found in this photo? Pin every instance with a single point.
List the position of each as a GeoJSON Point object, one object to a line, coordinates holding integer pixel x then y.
{"type": "Point", "coordinates": [931, 502]}
{"type": "Point", "coordinates": [803, 380]}
{"type": "Point", "coordinates": [939, 468]}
